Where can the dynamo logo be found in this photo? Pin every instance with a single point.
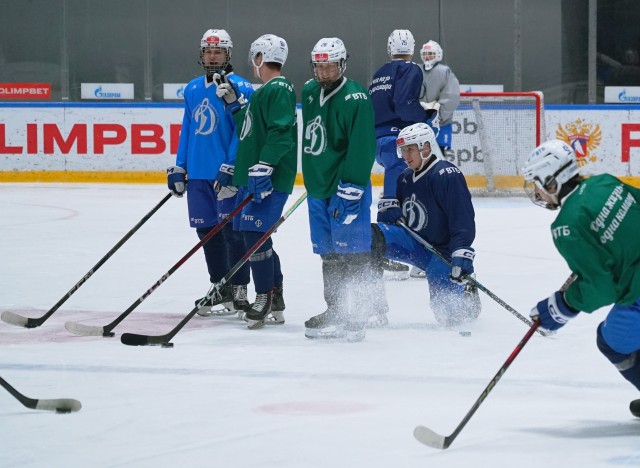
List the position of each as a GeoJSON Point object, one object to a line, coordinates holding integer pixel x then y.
{"type": "Point", "coordinates": [415, 213]}
{"type": "Point", "coordinates": [247, 124]}
{"type": "Point", "coordinates": [316, 135]}
{"type": "Point", "coordinates": [206, 118]}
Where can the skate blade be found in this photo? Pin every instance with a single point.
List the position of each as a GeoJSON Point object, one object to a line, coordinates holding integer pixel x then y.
{"type": "Point", "coordinates": [275, 318]}
{"type": "Point", "coordinates": [396, 275]}
{"type": "Point", "coordinates": [209, 312]}
{"type": "Point", "coordinates": [327, 333]}
{"type": "Point", "coordinates": [378, 321]}
{"type": "Point", "coordinates": [354, 337]}
{"type": "Point", "coordinates": [254, 324]}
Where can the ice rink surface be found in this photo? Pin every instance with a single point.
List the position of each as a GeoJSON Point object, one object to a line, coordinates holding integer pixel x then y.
{"type": "Point", "coordinates": [226, 396]}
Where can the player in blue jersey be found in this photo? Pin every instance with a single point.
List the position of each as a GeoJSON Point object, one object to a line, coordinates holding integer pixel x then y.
{"type": "Point", "coordinates": [432, 199]}
{"type": "Point", "coordinates": [206, 156]}
{"type": "Point", "coordinates": [395, 94]}
{"type": "Point", "coordinates": [440, 95]}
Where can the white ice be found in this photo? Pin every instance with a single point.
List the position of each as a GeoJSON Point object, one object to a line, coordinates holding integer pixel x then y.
{"type": "Point", "coordinates": [226, 396]}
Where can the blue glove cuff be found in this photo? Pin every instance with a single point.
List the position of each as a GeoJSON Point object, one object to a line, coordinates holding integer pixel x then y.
{"type": "Point", "coordinates": [388, 203]}
{"type": "Point", "coordinates": [559, 310]}
{"type": "Point", "coordinates": [349, 191]}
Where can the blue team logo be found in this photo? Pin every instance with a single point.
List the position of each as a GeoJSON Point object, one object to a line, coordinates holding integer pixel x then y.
{"type": "Point", "coordinates": [415, 213]}
{"type": "Point", "coordinates": [205, 117]}
{"type": "Point", "coordinates": [315, 137]}
{"type": "Point", "coordinates": [247, 124]}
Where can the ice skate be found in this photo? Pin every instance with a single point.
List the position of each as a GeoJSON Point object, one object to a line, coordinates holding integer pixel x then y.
{"type": "Point", "coordinates": [224, 298]}
{"type": "Point", "coordinates": [278, 299]}
{"type": "Point", "coordinates": [240, 302]}
{"type": "Point", "coordinates": [394, 271]}
{"type": "Point", "coordinates": [378, 320]}
{"type": "Point", "coordinates": [354, 332]}
{"type": "Point", "coordinates": [417, 273]}
{"type": "Point", "coordinates": [327, 325]}
{"type": "Point", "coordinates": [276, 316]}
{"type": "Point", "coordinates": [260, 310]}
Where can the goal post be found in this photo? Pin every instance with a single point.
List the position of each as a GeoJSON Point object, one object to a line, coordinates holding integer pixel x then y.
{"type": "Point", "coordinates": [493, 134]}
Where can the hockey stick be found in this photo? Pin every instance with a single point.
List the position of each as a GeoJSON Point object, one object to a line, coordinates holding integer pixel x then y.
{"type": "Point", "coordinates": [59, 405]}
{"type": "Point", "coordinates": [432, 439]}
{"type": "Point", "coordinates": [90, 330]}
{"type": "Point", "coordinates": [15, 319]}
{"type": "Point", "coordinates": [133, 339]}
{"type": "Point", "coordinates": [479, 285]}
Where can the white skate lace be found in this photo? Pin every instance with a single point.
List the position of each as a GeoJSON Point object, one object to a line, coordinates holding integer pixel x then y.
{"type": "Point", "coordinates": [240, 293]}
{"type": "Point", "coordinates": [261, 302]}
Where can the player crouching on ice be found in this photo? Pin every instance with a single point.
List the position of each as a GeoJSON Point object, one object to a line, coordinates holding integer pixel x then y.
{"type": "Point", "coordinates": [433, 200]}
{"type": "Point", "coordinates": [596, 231]}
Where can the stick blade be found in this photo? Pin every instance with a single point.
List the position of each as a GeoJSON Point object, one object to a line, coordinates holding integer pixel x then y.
{"type": "Point", "coordinates": [426, 436]}
{"type": "Point", "coordinates": [84, 330]}
{"type": "Point", "coordinates": [133, 339]}
{"type": "Point", "coordinates": [14, 319]}
{"type": "Point", "coordinates": [59, 405]}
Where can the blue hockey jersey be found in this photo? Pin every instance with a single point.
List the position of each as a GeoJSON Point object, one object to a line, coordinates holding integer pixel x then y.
{"type": "Point", "coordinates": [207, 136]}
{"type": "Point", "coordinates": [395, 94]}
{"type": "Point", "coordinates": [436, 203]}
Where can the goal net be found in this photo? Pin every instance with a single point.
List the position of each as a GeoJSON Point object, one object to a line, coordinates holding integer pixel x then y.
{"type": "Point", "coordinates": [493, 134]}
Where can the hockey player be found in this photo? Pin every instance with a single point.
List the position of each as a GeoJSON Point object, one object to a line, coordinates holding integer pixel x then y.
{"type": "Point", "coordinates": [337, 157]}
{"type": "Point", "coordinates": [207, 148]}
{"type": "Point", "coordinates": [440, 94]}
{"type": "Point", "coordinates": [440, 91]}
{"type": "Point", "coordinates": [395, 93]}
{"type": "Point", "coordinates": [596, 231]}
{"type": "Point", "coordinates": [433, 200]}
{"type": "Point", "coordinates": [266, 166]}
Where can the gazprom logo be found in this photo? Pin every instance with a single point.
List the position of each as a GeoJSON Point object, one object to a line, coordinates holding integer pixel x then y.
{"type": "Point", "coordinates": [175, 91]}
{"type": "Point", "coordinates": [106, 90]}
{"type": "Point", "coordinates": [100, 94]}
{"type": "Point", "coordinates": [622, 94]}
{"type": "Point", "coordinates": [623, 97]}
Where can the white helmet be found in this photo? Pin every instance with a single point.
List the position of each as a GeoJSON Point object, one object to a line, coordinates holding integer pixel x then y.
{"type": "Point", "coordinates": [273, 49]}
{"type": "Point", "coordinates": [550, 166]}
{"type": "Point", "coordinates": [417, 134]}
{"type": "Point", "coordinates": [400, 42]}
{"type": "Point", "coordinates": [431, 54]}
{"type": "Point", "coordinates": [215, 38]}
{"type": "Point", "coordinates": [329, 49]}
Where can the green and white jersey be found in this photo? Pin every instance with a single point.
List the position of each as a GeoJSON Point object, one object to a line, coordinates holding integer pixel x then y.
{"type": "Point", "coordinates": [267, 131]}
{"type": "Point", "coordinates": [598, 233]}
{"type": "Point", "coordinates": [338, 138]}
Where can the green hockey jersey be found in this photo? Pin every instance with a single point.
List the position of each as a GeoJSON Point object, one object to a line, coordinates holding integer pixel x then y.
{"type": "Point", "coordinates": [338, 138]}
{"type": "Point", "coordinates": [598, 233]}
{"type": "Point", "coordinates": [268, 133]}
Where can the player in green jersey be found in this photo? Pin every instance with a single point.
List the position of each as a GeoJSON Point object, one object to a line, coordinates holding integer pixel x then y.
{"type": "Point", "coordinates": [337, 156]}
{"type": "Point", "coordinates": [597, 232]}
{"type": "Point", "coordinates": [266, 166]}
